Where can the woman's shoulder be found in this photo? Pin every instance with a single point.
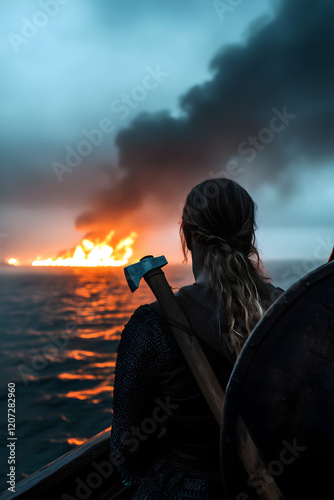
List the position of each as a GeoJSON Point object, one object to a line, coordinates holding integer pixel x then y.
{"type": "Point", "coordinates": [142, 323]}
{"type": "Point", "coordinates": [274, 291]}
{"type": "Point", "coordinates": [142, 335]}
{"type": "Point", "coordinates": [193, 297]}
{"type": "Point", "coordinates": [199, 305]}
{"type": "Point", "coordinates": [142, 315]}
{"type": "Point", "coordinates": [198, 292]}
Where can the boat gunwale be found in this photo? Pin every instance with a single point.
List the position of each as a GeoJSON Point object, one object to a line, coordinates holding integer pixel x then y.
{"type": "Point", "coordinates": [61, 468]}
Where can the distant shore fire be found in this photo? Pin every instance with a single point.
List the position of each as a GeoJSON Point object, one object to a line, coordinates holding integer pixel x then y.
{"type": "Point", "coordinates": [12, 262]}
{"type": "Point", "coordinates": [97, 253]}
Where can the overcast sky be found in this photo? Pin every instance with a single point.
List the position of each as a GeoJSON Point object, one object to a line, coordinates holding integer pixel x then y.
{"type": "Point", "coordinates": [112, 110]}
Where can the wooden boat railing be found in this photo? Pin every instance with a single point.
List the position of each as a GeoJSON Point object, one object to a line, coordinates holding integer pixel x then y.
{"type": "Point", "coordinates": [86, 472]}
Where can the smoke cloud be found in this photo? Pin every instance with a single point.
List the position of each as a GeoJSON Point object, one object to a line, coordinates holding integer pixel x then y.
{"type": "Point", "coordinates": [267, 110]}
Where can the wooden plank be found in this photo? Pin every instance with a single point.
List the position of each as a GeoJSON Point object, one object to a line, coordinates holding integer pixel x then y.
{"type": "Point", "coordinates": [57, 471]}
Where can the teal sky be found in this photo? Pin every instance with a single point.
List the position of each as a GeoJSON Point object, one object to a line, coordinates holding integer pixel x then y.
{"type": "Point", "coordinates": [68, 66]}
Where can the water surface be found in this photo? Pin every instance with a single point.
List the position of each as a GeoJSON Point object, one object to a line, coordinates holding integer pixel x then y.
{"type": "Point", "coordinates": [59, 333]}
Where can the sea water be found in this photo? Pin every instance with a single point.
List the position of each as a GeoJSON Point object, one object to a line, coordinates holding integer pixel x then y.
{"type": "Point", "coordinates": [59, 332]}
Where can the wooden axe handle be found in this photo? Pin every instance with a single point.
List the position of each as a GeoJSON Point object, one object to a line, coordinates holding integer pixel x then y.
{"type": "Point", "coordinates": [187, 342]}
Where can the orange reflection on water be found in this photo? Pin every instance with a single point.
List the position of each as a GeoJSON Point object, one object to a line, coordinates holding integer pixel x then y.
{"type": "Point", "coordinates": [106, 364]}
{"type": "Point", "coordinates": [79, 355]}
{"type": "Point", "coordinates": [87, 393]}
{"type": "Point", "coordinates": [106, 334]}
{"type": "Point", "coordinates": [76, 376]}
{"type": "Point", "coordinates": [93, 335]}
{"type": "Point", "coordinates": [76, 441]}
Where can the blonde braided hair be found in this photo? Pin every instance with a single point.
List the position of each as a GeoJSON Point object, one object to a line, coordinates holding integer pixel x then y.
{"type": "Point", "coordinates": [219, 218]}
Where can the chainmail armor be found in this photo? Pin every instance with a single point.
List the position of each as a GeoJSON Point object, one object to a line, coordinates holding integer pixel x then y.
{"type": "Point", "coordinates": [142, 353]}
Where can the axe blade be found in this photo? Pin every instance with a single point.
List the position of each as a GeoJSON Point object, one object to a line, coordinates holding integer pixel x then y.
{"type": "Point", "coordinates": [135, 272]}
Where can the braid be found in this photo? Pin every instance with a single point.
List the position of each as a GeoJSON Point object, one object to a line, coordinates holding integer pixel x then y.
{"type": "Point", "coordinates": [227, 256]}
{"type": "Point", "coordinates": [210, 240]}
{"type": "Point", "coordinates": [234, 282]}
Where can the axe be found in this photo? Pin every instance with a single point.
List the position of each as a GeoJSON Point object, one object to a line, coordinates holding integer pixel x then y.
{"type": "Point", "coordinates": [149, 268]}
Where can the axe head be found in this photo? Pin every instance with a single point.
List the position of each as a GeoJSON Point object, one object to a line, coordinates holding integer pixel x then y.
{"type": "Point", "coordinates": [136, 272]}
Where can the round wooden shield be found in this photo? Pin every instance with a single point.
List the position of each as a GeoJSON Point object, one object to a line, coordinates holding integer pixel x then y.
{"type": "Point", "coordinates": [280, 398]}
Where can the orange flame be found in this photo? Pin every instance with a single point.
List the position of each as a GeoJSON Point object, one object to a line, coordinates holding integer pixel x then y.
{"type": "Point", "coordinates": [12, 262]}
{"type": "Point", "coordinates": [94, 254]}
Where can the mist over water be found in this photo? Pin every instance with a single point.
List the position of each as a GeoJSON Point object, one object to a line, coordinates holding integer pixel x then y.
{"type": "Point", "coordinates": [59, 333]}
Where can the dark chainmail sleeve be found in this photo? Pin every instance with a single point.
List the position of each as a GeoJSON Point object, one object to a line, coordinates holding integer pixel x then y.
{"type": "Point", "coordinates": [141, 354]}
